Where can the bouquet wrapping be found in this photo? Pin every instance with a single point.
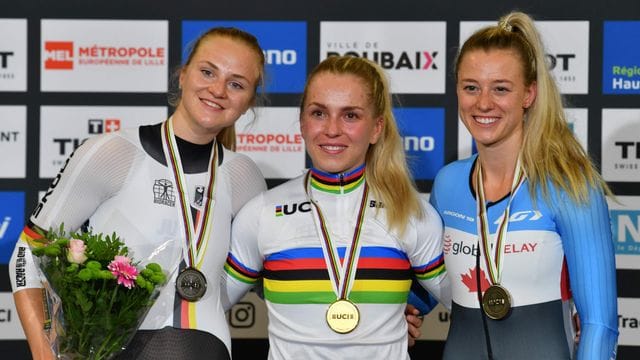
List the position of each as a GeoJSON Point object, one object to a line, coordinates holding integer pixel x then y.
{"type": "Point", "coordinates": [96, 295]}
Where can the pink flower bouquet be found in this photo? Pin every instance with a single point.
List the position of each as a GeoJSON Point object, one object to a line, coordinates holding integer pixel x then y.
{"type": "Point", "coordinates": [97, 295]}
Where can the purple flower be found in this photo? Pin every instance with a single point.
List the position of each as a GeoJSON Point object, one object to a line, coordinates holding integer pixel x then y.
{"type": "Point", "coordinates": [122, 269]}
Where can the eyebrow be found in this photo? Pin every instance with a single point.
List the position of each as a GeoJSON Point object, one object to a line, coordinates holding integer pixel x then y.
{"type": "Point", "coordinates": [493, 81]}
{"type": "Point", "coordinates": [346, 108]}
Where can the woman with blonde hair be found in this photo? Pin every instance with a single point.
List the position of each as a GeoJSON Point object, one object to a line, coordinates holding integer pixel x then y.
{"type": "Point", "coordinates": [107, 183]}
{"type": "Point", "coordinates": [337, 247]}
{"type": "Point", "coordinates": [531, 207]}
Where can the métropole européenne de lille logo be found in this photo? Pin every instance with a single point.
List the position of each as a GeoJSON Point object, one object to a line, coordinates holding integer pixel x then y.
{"type": "Point", "coordinates": [59, 55]}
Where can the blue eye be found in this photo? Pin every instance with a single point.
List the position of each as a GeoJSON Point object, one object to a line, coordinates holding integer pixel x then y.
{"type": "Point", "coordinates": [236, 85]}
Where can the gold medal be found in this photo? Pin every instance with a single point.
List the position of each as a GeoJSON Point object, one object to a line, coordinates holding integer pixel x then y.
{"type": "Point", "coordinates": [191, 284]}
{"type": "Point", "coordinates": [343, 316]}
{"type": "Point", "coordinates": [496, 302]}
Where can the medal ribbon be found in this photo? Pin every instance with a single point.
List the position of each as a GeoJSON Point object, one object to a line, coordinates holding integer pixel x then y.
{"type": "Point", "coordinates": [196, 235]}
{"type": "Point", "coordinates": [348, 270]}
{"type": "Point", "coordinates": [494, 261]}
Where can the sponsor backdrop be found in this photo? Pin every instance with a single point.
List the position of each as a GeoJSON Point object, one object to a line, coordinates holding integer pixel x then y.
{"type": "Point", "coordinates": [74, 69]}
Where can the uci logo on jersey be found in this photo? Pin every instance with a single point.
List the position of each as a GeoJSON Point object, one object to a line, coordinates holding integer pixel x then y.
{"type": "Point", "coordinates": [290, 209]}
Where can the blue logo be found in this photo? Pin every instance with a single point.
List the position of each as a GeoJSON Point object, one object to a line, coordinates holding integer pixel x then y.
{"type": "Point", "coordinates": [621, 59]}
{"type": "Point", "coordinates": [284, 44]}
{"type": "Point", "coordinates": [625, 228]}
{"type": "Point", "coordinates": [422, 131]}
{"type": "Point", "coordinates": [11, 222]}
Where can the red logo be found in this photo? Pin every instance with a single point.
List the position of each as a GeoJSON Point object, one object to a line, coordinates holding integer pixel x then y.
{"type": "Point", "coordinates": [58, 55]}
{"type": "Point", "coordinates": [447, 244]}
{"type": "Point", "coordinates": [111, 125]}
{"type": "Point", "coordinates": [471, 281]}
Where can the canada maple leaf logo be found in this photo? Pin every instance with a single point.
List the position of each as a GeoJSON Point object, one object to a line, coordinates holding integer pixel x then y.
{"type": "Point", "coordinates": [471, 281]}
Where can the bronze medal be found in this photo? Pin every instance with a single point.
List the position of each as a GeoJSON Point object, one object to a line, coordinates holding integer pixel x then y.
{"type": "Point", "coordinates": [343, 316]}
{"type": "Point", "coordinates": [496, 302]}
{"type": "Point", "coordinates": [191, 284]}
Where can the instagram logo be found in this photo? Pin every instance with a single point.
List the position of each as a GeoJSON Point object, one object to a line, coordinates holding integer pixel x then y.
{"type": "Point", "coordinates": [242, 315]}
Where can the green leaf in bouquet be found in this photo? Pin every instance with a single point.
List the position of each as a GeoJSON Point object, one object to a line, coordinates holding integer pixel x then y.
{"type": "Point", "coordinates": [52, 250]}
{"type": "Point", "coordinates": [72, 268]}
{"type": "Point", "coordinates": [154, 267]}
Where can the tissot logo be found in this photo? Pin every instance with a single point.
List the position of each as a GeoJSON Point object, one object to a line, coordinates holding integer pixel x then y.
{"type": "Point", "coordinates": [562, 67]}
{"type": "Point", "coordinates": [561, 61]}
{"type": "Point", "coordinates": [9, 136]}
{"type": "Point", "coordinates": [66, 145]}
{"type": "Point", "coordinates": [4, 59]}
{"type": "Point", "coordinates": [58, 55]}
{"type": "Point", "coordinates": [100, 126]}
{"type": "Point", "coordinates": [628, 149]}
{"type": "Point", "coordinates": [621, 145]}
{"type": "Point", "coordinates": [13, 58]}
{"type": "Point", "coordinates": [404, 60]}
{"type": "Point", "coordinates": [65, 128]}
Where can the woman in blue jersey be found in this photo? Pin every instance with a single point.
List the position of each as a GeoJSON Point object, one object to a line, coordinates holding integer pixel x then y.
{"type": "Point", "coordinates": [526, 220]}
{"type": "Point", "coordinates": [337, 246]}
{"type": "Point", "coordinates": [110, 180]}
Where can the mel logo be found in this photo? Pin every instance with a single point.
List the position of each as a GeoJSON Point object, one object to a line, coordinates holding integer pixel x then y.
{"type": "Point", "coordinates": [58, 55]}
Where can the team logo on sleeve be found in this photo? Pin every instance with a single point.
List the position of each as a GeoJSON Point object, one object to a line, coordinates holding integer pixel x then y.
{"type": "Point", "coordinates": [163, 192]}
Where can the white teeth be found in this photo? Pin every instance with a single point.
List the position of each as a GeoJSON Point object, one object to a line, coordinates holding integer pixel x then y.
{"type": "Point", "coordinates": [486, 120]}
{"type": "Point", "coordinates": [212, 104]}
{"type": "Point", "coordinates": [332, 147]}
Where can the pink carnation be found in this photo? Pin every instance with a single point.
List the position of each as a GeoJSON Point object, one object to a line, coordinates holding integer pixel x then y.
{"type": "Point", "coordinates": [122, 269]}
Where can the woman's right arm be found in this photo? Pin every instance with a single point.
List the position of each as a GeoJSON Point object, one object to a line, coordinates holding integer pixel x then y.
{"type": "Point", "coordinates": [80, 187]}
{"type": "Point", "coordinates": [30, 308]}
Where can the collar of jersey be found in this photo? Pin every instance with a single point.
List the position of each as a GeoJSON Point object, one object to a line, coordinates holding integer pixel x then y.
{"type": "Point", "coordinates": [341, 183]}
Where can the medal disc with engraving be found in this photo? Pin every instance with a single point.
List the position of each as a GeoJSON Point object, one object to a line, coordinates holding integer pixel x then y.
{"type": "Point", "coordinates": [496, 302]}
{"type": "Point", "coordinates": [343, 316]}
{"type": "Point", "coordinates": [191, 284]}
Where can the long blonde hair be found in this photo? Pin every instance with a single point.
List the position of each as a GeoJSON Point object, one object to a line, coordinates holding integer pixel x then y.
{"type": "Point", "coordinates": [550, 151]}
{"type": "Point", "coordinates": [386, 167]}
{"type": "Point", "coordinates": [226, 136]}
